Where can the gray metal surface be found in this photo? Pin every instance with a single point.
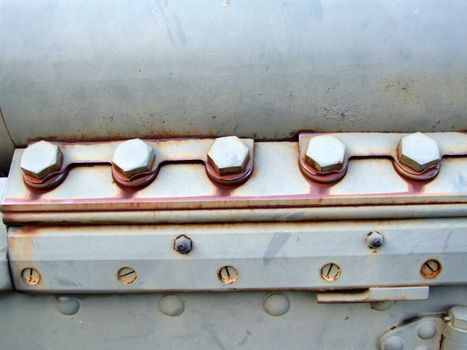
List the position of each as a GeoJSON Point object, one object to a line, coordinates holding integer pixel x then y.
{"type": "Point", "coordinates": [87, 70]}
{"type": "Point", "coordinates": [208, 321]}
{"type": "Point", "coordinates": [276, 182]}
{"type": "Point", "coordinates": [420, 333]}
{"type": "Point", "coordinates": [5, 280]}
{"type": "Point", "coordinates": [266, 256]}
{"type": "Point", "coordinates": [6, 147]}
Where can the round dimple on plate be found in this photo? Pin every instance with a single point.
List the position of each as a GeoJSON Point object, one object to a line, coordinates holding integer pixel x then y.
{"type": "Point", "coordinates": [67, 305]}
{"type": "Point", "coordinates": [276, 304]}
{"type": "Point", "coordinates": [393, 343]}
{"type": "Point", "coordinates": [426, 330]}
{"type": "Point", "coordinates": [171, 305]}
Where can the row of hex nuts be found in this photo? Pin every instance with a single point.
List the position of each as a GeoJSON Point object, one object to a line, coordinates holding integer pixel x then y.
{"type": "Point", "coordinates": [326, 153]}
{"type": "Point", "coordinates": [229, 155]}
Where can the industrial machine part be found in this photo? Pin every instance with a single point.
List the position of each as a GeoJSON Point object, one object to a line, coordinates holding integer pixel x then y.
{"type": "Point", "coordinates": [233, 174]}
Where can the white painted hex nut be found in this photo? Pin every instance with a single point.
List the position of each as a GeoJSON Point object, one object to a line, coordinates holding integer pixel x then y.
{"type": "Point", "coordinates": [41, 159]}
{"type": "Point", "coordinates": [418, 151]}
{"type": "Point", "coordinates": [228, 155]}
{"type": "Point", "coordinates": [458, 316]}
{"type": "Point", "coordinates": [133, 157]}
{"type": "Point", "coordinates": [325, 153]}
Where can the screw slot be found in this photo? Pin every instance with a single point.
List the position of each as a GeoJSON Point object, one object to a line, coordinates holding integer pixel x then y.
{"type": "Point", "coordinates": [330, 272]}
{"type": "Point", "coordinates": [127, 275]}
{"type": "Point", "coordinates": [30, 276]}
{"type": "Point", "coordinates": [228, 274]}
{"type": "Point", "coordinates": [430, 269]}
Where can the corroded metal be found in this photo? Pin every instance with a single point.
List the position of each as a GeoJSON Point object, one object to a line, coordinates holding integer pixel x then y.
{"type": "Point", "coordinates": [41, 164]}
{"type": "Point", "coordinates": [276, 182]}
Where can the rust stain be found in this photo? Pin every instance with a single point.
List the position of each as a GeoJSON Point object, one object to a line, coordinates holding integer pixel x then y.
{"type": "Point", "coordinates": [84, 138]}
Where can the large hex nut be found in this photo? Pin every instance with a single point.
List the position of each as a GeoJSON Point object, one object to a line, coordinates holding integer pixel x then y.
{"type": "Point", "coordinates": [419, 152]}
{"type": "Point", "coordinates": [458, 316]}
{"type": "Point", "coordinates": [133, 157]}
{"type": "Point", "coordinates": [325, 153]}
{"type": "Point", "coordinates": [228, 155]}
{"type": "Point", "coordinates": [41, 159]}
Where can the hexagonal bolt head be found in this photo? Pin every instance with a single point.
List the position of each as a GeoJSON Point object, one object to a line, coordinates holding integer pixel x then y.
{"type": "Point", "coordinates": [418, 151]}
{"type": "Point", "coordinates": [458, 316]}
{"type": "Point", "coordinates": [325, 153]}
{"type": "Point", "coordinates": [374, 240]}
{"type": "Point", "coordinates": [133, 157]}
{"type": "Point", "coordinates": [41, 159]}
{"type": "Point", "coordinates": [228, 155]}
{"type": "Point", "coordinates": [183, 244]}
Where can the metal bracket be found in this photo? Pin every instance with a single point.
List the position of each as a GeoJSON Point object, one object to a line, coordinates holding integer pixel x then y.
{"type": "Point", "coordinates": [308, 256]}
{"type": "Point", "coordinates": [375, 294]}
{"type": "Point", "coordinates": [89, 194]}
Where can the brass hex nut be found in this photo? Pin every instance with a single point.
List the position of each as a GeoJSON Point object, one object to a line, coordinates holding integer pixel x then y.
{"type": "Point", "coordinates": [418, 151]}
{"type": "Point", "coordinates": [133, 157]}
{"type": "Point", "coordinates": [228, 155]}
{"type": "Point", "coordinates": [41, 159]}
{"type": "Point", "coordinates": [325, 153]}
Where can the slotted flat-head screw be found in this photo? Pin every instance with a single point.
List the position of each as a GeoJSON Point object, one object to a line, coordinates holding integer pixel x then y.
{"type": "Point", "coordinates": [330, 272]}
{"type": "Point", "coordinates": [228, 155]}
{"type": "Point", "coordinates": [133, 157]}
{"type": "Point", "coordinates": [41, 159]}
{"type": "Point", "coordinates": [30, 276]}
{"type": "Point", "coordinates": [325, 153]}
{"type": "Point", "coordinates": [228, 274]}
{"type": "Point", "coordinates": [418, 151]}
{"type": "Point", "coordinates": [430, 268]}
{"type": "Point", "coordinates": [183, 244]}
{"type": "Point", "coordinates": [127, 275]}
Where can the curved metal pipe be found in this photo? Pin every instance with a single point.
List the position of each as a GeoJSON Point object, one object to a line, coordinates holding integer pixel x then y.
{"type": "Point", "coordinates": [261, 69]}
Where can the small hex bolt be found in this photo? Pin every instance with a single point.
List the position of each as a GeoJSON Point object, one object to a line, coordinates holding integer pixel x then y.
{"type": "Point", "coordinates": [133, 157]}
{"type": "Point", "coordinates": [127, 275]}
{"type": "Point", "coordinates": [30, 276]}
{"type": "Point", "coordinates": [325, 153]}
{"type": "Point", "coordinates": [183, 244]}
{"type": "Point", "coordinates": [228, 155]}
{"type": "Point", "coordinates": [430, 268]}
{"type": "Point", "coordinates": [228, 274]}
{"type": "Point", "coordinates": [374, 240]}
{"type": "Point", "coordinates": [330, 272]}
{"type": "Point", "coordinates": [418, 152]}
{"type": "Point", "coordinates": [41, 159]}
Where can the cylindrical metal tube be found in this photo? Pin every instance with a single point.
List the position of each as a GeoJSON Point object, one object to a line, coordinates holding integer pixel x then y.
{"type": "Point", "coordinates": [6, 148]}
{"type": "Point", "coordinates": [262, 69]}
{"type": "Point", "coordinates": [455, 332]}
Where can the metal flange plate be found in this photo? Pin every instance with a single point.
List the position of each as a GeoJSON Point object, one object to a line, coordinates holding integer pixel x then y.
{"type": "Point", "coordinates": [312, 256]}
{"type": "Point", "coordinates": [89, 192]}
